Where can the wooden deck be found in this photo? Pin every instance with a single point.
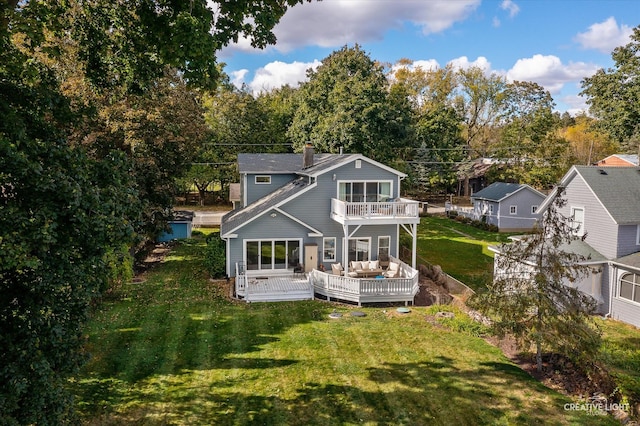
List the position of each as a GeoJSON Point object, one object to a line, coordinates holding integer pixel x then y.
{"type": "Point", "coordinates": [280, 286]}
{"type": "Point", "coordinates": [277, 288]}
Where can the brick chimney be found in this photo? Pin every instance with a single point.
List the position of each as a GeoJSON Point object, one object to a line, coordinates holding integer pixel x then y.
{"type": "Point", "coordinates": [307, 156]}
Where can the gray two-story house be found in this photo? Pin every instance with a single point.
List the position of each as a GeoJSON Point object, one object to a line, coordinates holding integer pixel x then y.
{"type": "Point", "coordinates": [308, 212]}
{"type": "Point", "coordinates": [604, 203]}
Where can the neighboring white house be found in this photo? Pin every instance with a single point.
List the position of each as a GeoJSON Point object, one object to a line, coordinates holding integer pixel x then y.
{"type": "Point", "coordinates": [604, 203]}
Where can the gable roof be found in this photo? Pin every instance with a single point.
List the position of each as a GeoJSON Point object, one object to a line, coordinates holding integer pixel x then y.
{"type": "Point", "coordinates": [617, 189]}
{"type": "Point", "coordinates": [498, 191]}
{"type": "Point", "coordinates": [285, 164]}
{"type": "Point", "coordinates": [619, 160]}
{"type": "Point", "coordinates": [292, 163]}
{"type": "Point", "coordinates": [276, 163]}
{"type": "Point", "coordinates": [576, 246]}
{"type": "Point", "coordinates": [630, 260]}
{"type": "Point", "coordinates": [237, 218]}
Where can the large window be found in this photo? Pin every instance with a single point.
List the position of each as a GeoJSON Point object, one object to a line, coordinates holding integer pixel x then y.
{"type": "Point", "coordinates": [268, 255]}
{"type": "Point", "coordinates": [630, 287]}
{"type": "Point", "coordinates": [364, 191]}
{"type": "Point", "coordinates": [329, 249]}
{"type": "Point", "coordinates": [359, 249]}
{"type": "Point", "coordinates": [577, 215]}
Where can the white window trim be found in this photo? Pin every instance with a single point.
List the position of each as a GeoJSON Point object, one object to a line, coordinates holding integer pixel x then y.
{"type": "Point", "coordinates": [272, 241]}
{"type": "Point", "coordinates": [579, 232]}
{"type": "Point", "coordinates": [360, 238]}
{"type": "Point", "coordinates": [513, 210]}
{"type": "Point", "coordinates": [262, 183]}
{"type": "Point", "coordinates": [388, 247]}
{"type": "Point", "coordinates": [624, 299]}
{"type": "Point", "coordinates": [534, 209]}
{"type": "Point", "coordinates": [365, 181]}
{"type": "Point", "coordinates": [335, 249]}
{"type": "Point", "coordinates": [638, 235]}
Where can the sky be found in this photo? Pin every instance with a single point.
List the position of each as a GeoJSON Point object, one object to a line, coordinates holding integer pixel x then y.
{"type": "Point", "coordinates": [555, 43]}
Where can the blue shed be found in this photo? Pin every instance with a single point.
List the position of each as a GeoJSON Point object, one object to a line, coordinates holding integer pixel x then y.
{"type": "Point", "coordinates": [181, 226]}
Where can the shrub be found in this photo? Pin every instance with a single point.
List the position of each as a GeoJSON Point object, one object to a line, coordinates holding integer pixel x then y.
{"type": "Point", "coordinates": [119, 264]}
{"type": "Point", "coordinates": [460, 322]}
{"type": "Point", "coordinates": [215, 256]}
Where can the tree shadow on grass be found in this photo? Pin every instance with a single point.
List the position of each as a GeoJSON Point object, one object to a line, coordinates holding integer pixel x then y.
{"type": "Point", "coordinates": [425, 393]}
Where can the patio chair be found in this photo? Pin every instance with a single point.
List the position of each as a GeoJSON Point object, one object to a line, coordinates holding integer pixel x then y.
{"type": "Point", "coordinates": [393, 271]}
{"type": "Point", "coordinates": [336, 269]}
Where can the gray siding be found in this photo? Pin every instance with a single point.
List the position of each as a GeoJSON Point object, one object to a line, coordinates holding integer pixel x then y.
{"type": "Point", "coordinates": [313, 207]}
{"type": "Point", "coordinates": [266, 227]}
{"type": "Point", "coordinates": [602, 231]}
{"type": "Point", "coordinates": [257, 191]}
{"type": "Point", "coordinates": [627, 240]}
{"type": "Point", "coordinates": [622, 309]}
{"type": "Point", "coordinates": [523, 219]}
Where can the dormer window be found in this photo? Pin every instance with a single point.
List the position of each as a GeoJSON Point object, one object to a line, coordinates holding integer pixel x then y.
{"type": "Point", "coordinates": [263, 180]}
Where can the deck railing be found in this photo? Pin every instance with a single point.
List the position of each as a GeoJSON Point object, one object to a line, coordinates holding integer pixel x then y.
{"type": "Point", "coordinates": [241, 280]}
{"type": "Point", "coordinates": [368, 290]}
{"type": "Point", "coordinates": [401, 208]}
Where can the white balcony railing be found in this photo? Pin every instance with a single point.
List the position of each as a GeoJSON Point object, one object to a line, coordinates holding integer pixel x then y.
{"type": "Point", "coordinates": [401, 208]}
{"type": "Point", "coordinates": [368, 290]}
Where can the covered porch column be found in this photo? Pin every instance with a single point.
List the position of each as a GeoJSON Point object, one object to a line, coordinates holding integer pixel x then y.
{"type": "Point", "coordinates": [345, 245]}
{"type": "Point", "coordinates": [412, 229]}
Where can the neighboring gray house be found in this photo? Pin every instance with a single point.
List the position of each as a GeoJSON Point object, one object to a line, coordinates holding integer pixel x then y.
{"type": "Point", "coordinates": [604, 203]}
{"type": "Point", "coordinates": [307, 212]}
{"type": "Point", "coordinates": [512, 207]}
{"type": "Point", "coordinates": [509, 206]}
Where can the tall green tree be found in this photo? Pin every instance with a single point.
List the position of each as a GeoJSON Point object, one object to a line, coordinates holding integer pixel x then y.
{"type": "Point", "coordinates": [532, 296]}
{"type": "Point", "coordinates": [278, 106]}
{"type": "Point", "coordinates": [613, 95]}
{"type": "Point", "coordinates": [346, 105]}
{"type": "Point", "coordinates": [438, 141]}
{"type": "Point", "coordinates": [526, 125]}
{"type": "Point", "coordinates": [63, 211]}
{"type": "Point", "coordinates": [478, 101]}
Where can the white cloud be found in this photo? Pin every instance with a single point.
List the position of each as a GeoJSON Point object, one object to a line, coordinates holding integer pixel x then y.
{"type": "Point", "coordinates": [277, 74]}
{"type": "Point", "coordinates": [464, 63]}
{"type": "Point", "coordinates": [605, 36]}
{"type": "Point", "coordinates": [333, 23]}
{"type": "Point", "coordinates": [549, 71]}
{"type": "Point", "coordinates": [511, 7]}
{"type": "Point", "coordinates": [425, 65]}
{"type": "Point", "coordinates": [237, 77]}
{"type": "Point", "coordinates": [576, 104]}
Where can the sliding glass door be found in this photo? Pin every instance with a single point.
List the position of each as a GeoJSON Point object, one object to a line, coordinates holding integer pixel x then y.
{"type": "Point", "coordinates": [370, 192]}
{"type": "Point", "coordinates": [265, 255]}
{"type": "Point", "coordinates": [359, 249]}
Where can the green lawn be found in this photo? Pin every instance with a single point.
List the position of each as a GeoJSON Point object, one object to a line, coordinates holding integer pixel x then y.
{"type": "Point", "coordinates": [461, 250]}
{"type": "Point", "coordinates": [175, 350]}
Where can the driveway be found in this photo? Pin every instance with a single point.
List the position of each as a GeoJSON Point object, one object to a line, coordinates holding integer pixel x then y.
{"type": "Point", "coordinates": [208, 218]}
